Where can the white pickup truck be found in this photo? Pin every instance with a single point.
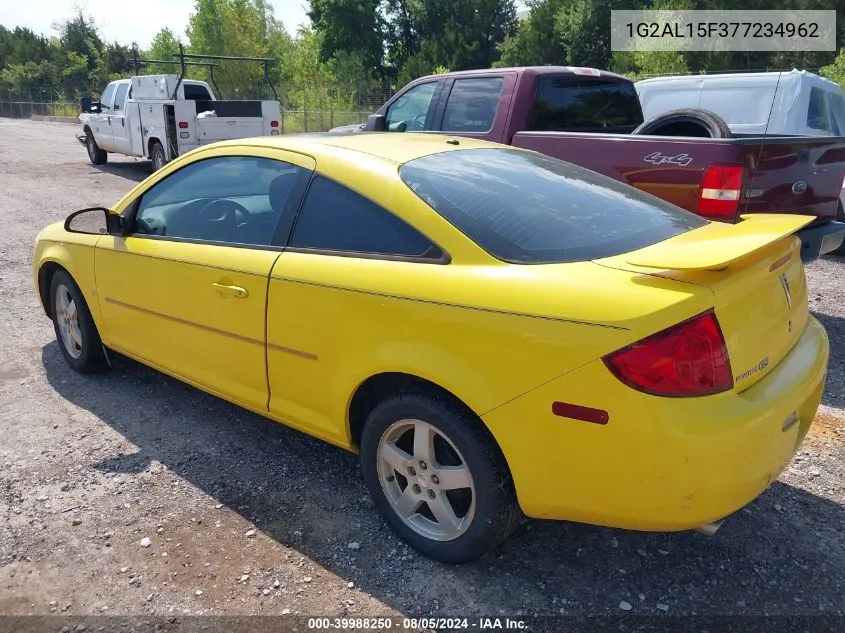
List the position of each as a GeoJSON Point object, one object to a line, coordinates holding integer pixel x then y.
{"type": "Point", "coordinates": [161, 117]}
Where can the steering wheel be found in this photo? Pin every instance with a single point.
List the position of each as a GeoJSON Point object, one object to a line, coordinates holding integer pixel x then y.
{"type": "Point", "coordinates": [224, 212]}
{"type": "Point", "coordinates": [418, 122]}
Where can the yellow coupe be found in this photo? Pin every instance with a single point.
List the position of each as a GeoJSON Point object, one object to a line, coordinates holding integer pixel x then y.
{"type": "Point", "coordinates": [495, 331]}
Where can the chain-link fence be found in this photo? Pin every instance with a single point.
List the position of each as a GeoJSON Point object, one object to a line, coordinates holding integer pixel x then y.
{"type": "Point", "coordinates": [304, 108]}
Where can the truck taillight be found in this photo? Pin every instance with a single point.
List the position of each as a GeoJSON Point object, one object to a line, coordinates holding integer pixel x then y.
{"type": "Point", "coordinates": [687, 359]}
{"type": "Point", "coordinates": [183, 125]}
{"type": "Point", "coordinates": [274, 124]}
{"type": "Point", "coordinates": [721, 188]}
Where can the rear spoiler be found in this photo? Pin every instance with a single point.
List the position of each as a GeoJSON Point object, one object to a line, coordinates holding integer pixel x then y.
{"type": "Point", "coordinates": [714, 246]}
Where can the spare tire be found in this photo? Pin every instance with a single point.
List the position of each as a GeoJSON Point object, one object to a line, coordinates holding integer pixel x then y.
{"type": "Point", "coordinates": [685, 122]}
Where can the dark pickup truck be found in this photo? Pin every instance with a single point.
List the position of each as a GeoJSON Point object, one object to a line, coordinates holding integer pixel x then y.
{"type": "Point", "coordinates": [588, 117]}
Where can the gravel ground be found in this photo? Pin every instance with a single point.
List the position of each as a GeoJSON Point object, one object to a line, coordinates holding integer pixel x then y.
{"type": "Point", "coordinates": [244, 516]}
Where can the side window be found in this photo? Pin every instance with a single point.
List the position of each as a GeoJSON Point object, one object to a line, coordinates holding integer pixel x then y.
{"type": "Point", "coordinates": [836, 107]}
{"type": "Point", "coordinates": [335, 218]}
{"type": "Point", "coordinates": [106, 97]}
{"type": "Point", "coordinates": [411, 109]}
{"type": "Point", "coordinates": [472, 105]}
{"type": "Point", "coordinates": [817, 111]}
{"type": "Point", "coordinates": [120, 97]}
{"type": "Point", "coordinates": [233, 199]}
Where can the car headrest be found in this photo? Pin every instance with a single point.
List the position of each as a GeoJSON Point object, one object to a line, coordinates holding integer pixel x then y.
{"type": "Point", "coordinates": [280, 190]}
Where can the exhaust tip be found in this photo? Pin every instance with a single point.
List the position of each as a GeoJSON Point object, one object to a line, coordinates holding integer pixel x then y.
{"type": "Point", "coordinates": [709, 529]}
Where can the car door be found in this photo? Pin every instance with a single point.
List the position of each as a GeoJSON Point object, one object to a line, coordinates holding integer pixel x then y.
{"type": "Point", "coordinates": [319, 310]}
{"type": "Point", "coordinates": [99, 121]}
{"type": "Point", "coordinates": [118, 123]}
{"type": "Point", "coordinates": [413, 110]}
{"type": "Point", "coordinates": [185, 289]}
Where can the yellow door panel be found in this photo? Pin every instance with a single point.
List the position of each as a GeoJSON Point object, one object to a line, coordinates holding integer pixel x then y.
{"type": "Point", "coordinates": [194, 309]}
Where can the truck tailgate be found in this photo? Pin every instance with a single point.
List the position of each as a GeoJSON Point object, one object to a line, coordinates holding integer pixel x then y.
{"type": "Point", "coordinates": [801, 175]}
{"type": "Point", "coordinates": [210, 129]}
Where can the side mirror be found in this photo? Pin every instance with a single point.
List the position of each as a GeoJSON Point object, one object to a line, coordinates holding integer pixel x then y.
{"type": "Point", "coordinates": [85, 104]}
{"type": "Point", "coordinates": [375, 123]}
{"type": "Point", "coordinates": [94, 221]}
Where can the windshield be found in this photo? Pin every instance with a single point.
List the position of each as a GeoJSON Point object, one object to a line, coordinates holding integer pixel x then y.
{"type": "Point", "coordinates": [527, 208]}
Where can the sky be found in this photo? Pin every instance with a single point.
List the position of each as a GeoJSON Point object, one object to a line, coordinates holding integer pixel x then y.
{"type": "Point", "coordinates": [126, 22]}
{"type": "Point", "coordinates": [129, 22]}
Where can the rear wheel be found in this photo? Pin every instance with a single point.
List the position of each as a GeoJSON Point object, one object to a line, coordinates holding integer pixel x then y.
{"type": "Point", "coordinates": [76, 333]}
{"type": "Point", "coordinates": [157, 156]}
{"type": "Point", "coordinates": [95, 154]}
{"type": "Point", "coordinates": [437, 477]}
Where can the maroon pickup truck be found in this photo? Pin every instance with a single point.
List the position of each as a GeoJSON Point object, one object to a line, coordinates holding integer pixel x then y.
{"type": "Point", "coordinates": [590, 118]}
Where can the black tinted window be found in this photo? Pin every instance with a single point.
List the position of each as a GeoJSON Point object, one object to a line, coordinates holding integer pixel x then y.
{"type": "Point", "coordinates": [817, 111]}
{"type": "Point", "coordinates": [472, 105]}
{"type": "Point", "coordinates": [236, 199]}
{"type": "Point", "coordinates": [194, 92]}
{"type": "Point", "coordinates": [523, 207]}
{"type": "Point", "coordinates": [577, 103]}
{"type": "Point", "coordinates": [120, 96]}
{"type": "Point", "coordinates": [336, 218]}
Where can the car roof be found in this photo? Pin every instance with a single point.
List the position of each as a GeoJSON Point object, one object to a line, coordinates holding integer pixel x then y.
{"type": "Point", "coordinates": [392, 147]}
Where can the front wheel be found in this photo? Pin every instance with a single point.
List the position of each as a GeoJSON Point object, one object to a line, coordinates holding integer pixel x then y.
{"type": "Point", "coordinates": [437, 477]}
{"type": "Point", "coordinates": [95, 154]}
{"type": "Point", "coordinates": [76, 333]}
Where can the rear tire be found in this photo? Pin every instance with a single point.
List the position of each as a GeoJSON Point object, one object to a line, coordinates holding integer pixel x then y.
{"type": "Point", "coordinates": [448, 492]}
{"type": "Point", "coordinates": [157, 156]}
{"type": "Point", "coordinates": [76, 333]}
{"type": "Point", "coordinates": [694, 122]}
{"type": "Point", "coordinates": [95, 154]}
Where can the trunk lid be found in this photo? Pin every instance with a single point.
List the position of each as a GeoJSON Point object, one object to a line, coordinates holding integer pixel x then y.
{"type": "Point", "coordinates": [755, 273]}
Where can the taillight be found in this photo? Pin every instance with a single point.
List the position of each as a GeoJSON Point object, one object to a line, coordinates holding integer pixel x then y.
{"type": "Point", "coordinates": [274, 124]}
{"type": "Point", "coordinates": [720, 191]}
{"type": "Point", "coordinates": [183, 125]}
{"type": "Point", "coordinates": [687, 359]}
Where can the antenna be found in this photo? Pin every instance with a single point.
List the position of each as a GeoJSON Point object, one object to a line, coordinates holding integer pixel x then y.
{"type": "Point", "coordinates": [768, 120]}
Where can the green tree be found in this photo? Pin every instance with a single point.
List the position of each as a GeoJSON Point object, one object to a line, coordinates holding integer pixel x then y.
{"type": "Point", "coordinates": [235, 28]}
{"type": "Point", "coordinates": [537, 40]}
{"type": "Point", "coordinates": [165, 46]}
{"type": "Point", "coordinates": [354, 28]}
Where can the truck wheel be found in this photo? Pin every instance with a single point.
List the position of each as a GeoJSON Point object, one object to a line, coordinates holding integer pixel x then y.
{"type": "Point", "coordinates": [95, 154]}
{"type": "Point", "coordinates": [157, 156]}
{"type": "Point", "coordinates": [685, 122]}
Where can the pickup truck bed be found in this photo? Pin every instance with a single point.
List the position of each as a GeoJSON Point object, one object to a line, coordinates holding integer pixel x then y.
{"type": "Point", "coordinates": [586, 116]}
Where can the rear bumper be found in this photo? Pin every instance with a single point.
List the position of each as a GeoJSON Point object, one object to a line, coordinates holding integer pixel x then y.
{"type": "Point", "coordinates": [821, 239]}
{"type": "Point", "coordinates": [659, 463]}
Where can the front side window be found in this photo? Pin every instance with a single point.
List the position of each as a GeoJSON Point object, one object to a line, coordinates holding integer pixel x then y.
{"type": "Point", "coordinates": [527, 208]}
{"type": "Point", "coordinates": [408, 113]}
{"type": "Point", "coordinates": [106, 98]}
{"type": "Point", "coordinates": [472, 105]}
{"type": "Point", "coordinates": [335, 218]}
{"type": "Point", "coordinates": [817, 111]}
{"type": "Point", "coordinates": [233, 199]}
{"type": "Point", "coordinates": [120, 97]}
{"type": "Point", "coordinates": [582, 104]}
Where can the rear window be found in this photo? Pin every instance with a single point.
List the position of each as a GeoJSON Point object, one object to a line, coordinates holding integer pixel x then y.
{"type": "Point", "coordinates": [526, 208]}
{"type": "Point", "coordinates": [194, 92]}
{"type": "Point", "coordinates": [580, 104]}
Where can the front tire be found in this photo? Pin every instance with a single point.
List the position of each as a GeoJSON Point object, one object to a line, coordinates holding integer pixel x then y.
{"type": "Point", "coordinates": [76, 333]}
{"type": "Point", "coordinates": [95, 154]}
{"type": "Point", "coordinates": [437, 477]}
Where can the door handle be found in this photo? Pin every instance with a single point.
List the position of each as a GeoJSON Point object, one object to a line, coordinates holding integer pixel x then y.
{"type": "Point", "coordinates": [231, 291]}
